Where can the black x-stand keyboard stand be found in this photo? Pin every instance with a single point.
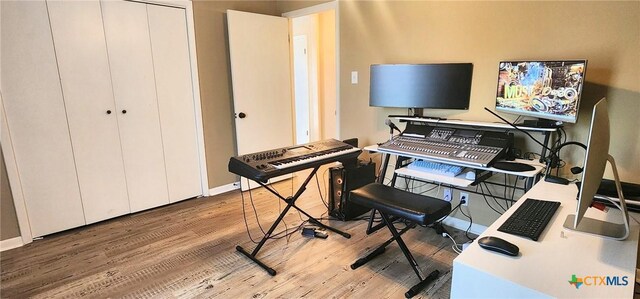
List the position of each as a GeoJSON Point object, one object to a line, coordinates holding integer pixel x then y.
{"type": "Point", "coordinates": [291, 203]}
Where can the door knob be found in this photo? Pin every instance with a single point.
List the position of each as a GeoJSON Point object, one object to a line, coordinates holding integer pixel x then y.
{"type": "Point", "coordinates": [242, 115]}
{"type": "Point", "coordinates": [108, 111]}
{"type": "Point", "coordinates": [124, 111]}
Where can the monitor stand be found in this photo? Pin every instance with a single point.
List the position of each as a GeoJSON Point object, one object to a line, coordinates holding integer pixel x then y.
{"type": "Point", "coordinates": [616, 231]}
{"type": "Point", "coordinates": [417, 113]}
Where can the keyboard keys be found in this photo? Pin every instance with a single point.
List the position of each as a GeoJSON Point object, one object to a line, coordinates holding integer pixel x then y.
{"type": "Point", "coordinates": [530, 219]}
{"type": "Point", "coordinates": [317, 156]}
{"type": "Point", "coordinates": [436, 168]}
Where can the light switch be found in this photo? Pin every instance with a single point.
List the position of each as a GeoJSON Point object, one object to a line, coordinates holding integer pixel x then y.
{"type": "Point", "coordinates": [354, 77]}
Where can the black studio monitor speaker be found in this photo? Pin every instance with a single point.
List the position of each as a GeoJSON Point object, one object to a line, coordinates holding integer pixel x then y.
{"type": "Point", "coordinates": [341, 181]}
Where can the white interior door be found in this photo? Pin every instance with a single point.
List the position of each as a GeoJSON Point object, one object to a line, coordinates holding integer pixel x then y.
{"type": "Point", "coordinates": [168, 29]}
{"type": "Point", "coordinates": [129, 48]}
{"type": "Point", "coordinates": [36, 118]}
{"type": "Point", "coordinates": [301, 88]}
{"type": "Point", "coordinates": [261, 79]}
{"type": "Point", "coordinates": [86, 82]}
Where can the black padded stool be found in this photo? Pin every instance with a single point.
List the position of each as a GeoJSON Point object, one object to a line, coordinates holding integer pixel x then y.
{"type": "Point", "coordinates": [419, 209]}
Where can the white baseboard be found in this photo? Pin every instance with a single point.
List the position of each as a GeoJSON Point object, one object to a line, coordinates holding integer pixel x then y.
{"type": "Point", "coordinates": [460, 224]}
{"type": "Point", "coordinates": [10, 243]}
{"type": "Point", "coordinates": [224, 188]}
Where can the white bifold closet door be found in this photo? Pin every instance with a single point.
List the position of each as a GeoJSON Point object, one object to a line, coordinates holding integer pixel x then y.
{"type": "Point", "coordinates": [99, 105]}
{"type": "Point", "coordinates": [36, 117]}
{"type": "Point", "coordinates": [170, 47]}
{"type": "Point", "coordinates": [86, 83]}
{"type": "Point", "coordinates": [134, 87]}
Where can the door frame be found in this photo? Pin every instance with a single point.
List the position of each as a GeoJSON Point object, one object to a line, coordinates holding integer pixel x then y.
{"type": "Point", "coordinates": [335, 6]}
{"type": "Point", "coordinates": [7, 145]}
{"type": "Point", "coordinates": [297, 101]}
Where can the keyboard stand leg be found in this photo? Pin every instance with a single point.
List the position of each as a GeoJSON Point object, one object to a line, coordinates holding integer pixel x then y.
{"type": "Point", "coordinates": [253, 254]}
{"type": "Point", "coordinates": [290, 203]}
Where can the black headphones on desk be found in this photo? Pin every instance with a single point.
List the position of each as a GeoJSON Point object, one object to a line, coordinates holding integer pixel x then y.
{"type": "Point", "coordinates": [554, 161]}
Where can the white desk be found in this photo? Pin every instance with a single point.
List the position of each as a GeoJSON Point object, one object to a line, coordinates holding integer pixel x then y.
{"type": "Point", "coordinates": [543, 268]}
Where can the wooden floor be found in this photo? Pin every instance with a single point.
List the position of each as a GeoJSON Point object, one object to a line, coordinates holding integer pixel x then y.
{"type": "Point", "coordinates": [187, 250]}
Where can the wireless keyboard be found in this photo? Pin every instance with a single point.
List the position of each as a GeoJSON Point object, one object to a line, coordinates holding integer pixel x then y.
{"type": "Point", "coordinates": [436, 168]}
{"type": "Point", "coordinates": [530, 219]}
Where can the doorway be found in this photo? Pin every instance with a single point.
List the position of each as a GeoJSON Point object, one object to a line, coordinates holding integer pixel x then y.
{"type": "Point", "coordinates": [302, 96]}
{"type": "Point", "coordinates": [315, 78]}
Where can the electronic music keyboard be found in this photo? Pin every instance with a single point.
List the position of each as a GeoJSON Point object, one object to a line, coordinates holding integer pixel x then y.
{"type": "Point", "coordinates": [262, 166]}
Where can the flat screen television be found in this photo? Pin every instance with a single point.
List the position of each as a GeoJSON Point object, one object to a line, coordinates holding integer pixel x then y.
{"type": "Point", "coordinates": [438, 86]}
{"type": "Point", "coordinates": [543, 89]}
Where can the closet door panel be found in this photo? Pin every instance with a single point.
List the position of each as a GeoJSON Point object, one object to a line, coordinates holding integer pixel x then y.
{"type": "Point", "coordinates": [36, 117]}
{"type": "Point", "coordinates": [86, 82]}
{"type": "Point", "coordinates": [169, 44]}
{"type": "Point", "coordinates": [129, 49]}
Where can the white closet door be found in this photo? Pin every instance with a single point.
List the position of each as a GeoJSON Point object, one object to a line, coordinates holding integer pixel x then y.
{"type": "Point", "coordinates": [129, 49]}
{"type": "Point", "coordinates": [36, 117]}
{"type": "Point", "coordinates": [86, 82]}
{"type": "Point", "coordinates": [168, 29]}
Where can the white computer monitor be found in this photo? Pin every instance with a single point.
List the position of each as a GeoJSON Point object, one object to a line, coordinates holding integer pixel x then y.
{"type": "Point", "coordinates": [595, 162]}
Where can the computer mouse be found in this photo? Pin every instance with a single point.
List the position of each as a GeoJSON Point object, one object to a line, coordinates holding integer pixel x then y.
{"type": "Point", "coordinates": [470, 175]}
{"type": "Point", "coordinates": [498, 245]}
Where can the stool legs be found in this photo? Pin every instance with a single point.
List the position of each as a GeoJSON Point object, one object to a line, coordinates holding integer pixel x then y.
{"type": "Point", "coordinates": [403, 247]}
{"type": "Point", "coordinates": [378, 251]}
{"type": "Point", "coordinates": [405, 250]}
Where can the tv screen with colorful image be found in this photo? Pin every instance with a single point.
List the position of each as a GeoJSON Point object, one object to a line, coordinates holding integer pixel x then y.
{"type": "Point", "coordinates": [543, 89]}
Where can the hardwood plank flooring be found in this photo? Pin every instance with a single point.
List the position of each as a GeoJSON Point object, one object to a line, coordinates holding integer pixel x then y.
{"type": "Point", "coordinates": [187, 250]}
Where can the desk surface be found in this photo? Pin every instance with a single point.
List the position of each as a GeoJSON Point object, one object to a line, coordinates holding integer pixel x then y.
{"type": "Point", "coordinates": [544, 268]}
{"type": "Point", "coordinates": [480, 124]}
